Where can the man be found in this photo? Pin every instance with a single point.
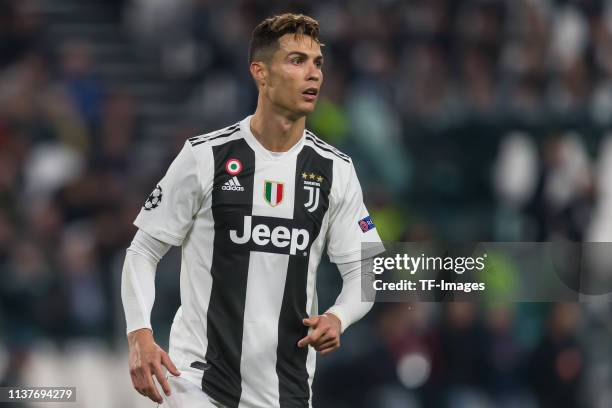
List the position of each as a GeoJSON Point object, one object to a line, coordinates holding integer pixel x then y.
{"type": "Point", "coordinates": [253, 206]}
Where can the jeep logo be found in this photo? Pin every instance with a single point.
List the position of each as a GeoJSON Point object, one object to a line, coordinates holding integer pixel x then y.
{"type": "Point", "coordinates": [280, 236]}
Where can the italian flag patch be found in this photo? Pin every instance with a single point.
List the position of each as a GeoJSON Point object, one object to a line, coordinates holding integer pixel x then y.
{"type": "Point", "coordinates": [273, 192]}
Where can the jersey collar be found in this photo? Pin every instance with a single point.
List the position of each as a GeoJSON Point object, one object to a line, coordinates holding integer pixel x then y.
{"type": "Point", "coordinates": [245, 127]}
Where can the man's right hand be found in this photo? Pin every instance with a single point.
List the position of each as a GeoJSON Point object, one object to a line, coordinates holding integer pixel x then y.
{"type": "Point", "coordinates": [146, 360]}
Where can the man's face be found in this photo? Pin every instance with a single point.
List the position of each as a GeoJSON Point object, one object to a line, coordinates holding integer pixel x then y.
{"type": "Point", "coordinates": [294, 75]}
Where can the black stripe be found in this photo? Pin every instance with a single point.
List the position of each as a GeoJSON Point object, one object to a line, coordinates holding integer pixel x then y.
{"type": "Point", "coordinates": [201, 139]}
{"type": "Point", "coordinates": [229, 270]}
{"type": "Point", "coordinates": [222, 130]}
{"type": "Point", "coordinates": [321, 143]}
{"type": "Point", "coordinates": [294, 391]}
{"type": "Point", "coordinates": [223, 135]}
{"type": "Point", "coordinates": [337, 154]}
{"type": "Point", "coordinates": [215, 137]}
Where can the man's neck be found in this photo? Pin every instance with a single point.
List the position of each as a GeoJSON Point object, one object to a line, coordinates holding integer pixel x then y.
{"type": "Point", "coordinates": [276, 132]}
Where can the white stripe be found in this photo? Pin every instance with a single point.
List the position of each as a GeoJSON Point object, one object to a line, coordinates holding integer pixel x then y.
{"type": "Point", "coordinates": [188, 336]}
{"type": "Point", "coordinates": [274, 190]}
{"type": "Point", "coordinates": [265, 290]}
{"type": "Point", "coordinates": [274, 171]}
{"type": "Point", "coordinates": [264, 299]}
{"type": "Point", "coordinates": [235, 179]}
{"type": "Point", "coordinates": [272, 193]}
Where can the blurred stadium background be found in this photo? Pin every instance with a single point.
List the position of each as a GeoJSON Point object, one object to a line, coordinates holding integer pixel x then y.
{"type": "Point", "coordinates": [468, 120]}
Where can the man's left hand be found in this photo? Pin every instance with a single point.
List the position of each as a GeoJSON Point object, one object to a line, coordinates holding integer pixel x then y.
{"type": "Point", "coordinates": [325, 334]}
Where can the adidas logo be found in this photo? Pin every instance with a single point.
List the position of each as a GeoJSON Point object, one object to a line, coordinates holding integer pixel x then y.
{"type": "Point", "coordinates": [232, 185]}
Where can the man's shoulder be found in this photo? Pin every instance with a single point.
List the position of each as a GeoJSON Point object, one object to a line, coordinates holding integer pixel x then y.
{"type": "Point", "coordinates": [216, 136]}
{"type": "Point", "coordinates": [327, 150]}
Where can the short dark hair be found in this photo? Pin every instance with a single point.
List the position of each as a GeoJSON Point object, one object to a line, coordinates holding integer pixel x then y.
{"type": "Point", "coordinates": [264, 39]}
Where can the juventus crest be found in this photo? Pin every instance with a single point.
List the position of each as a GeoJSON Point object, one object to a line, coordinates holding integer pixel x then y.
{"type": "Point", "coordinates": [312, 184]}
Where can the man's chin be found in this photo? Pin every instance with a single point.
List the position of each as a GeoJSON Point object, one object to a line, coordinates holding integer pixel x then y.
{"type": "Point", "coordinates": [300, 110]}
{"type": "Point", "coordinates": [307, 108]}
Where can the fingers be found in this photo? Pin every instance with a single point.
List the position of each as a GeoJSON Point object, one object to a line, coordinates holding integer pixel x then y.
{"type": "Point", "coordinates": [311, 321]}
{"type": "Point", "coordinates": [166, 361]}
{"type": "Point", "coordinates": [325, 334]}
{"type": "Point", "coordinates": [138, 380]}
{"type": "Point", "coordinates": [161, 378]}
{"type": "Point", "coordinates": [313, 337]}
{"type": "Point", "coordinates": [304, 341]}
{"type": "Point", "coordinates": [143, 383]}
{"type": "Point", "coordinates": [331, 343]}
{"type": "Point", "coordinates": [151, 389]}
{"type": "Point", "coordinates": [146, 365]}
{"type": "Point", "coordinates": [325, 345]}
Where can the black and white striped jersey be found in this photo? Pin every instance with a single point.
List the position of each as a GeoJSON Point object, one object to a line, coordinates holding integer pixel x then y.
{"type": "Point", "coordinates": [253, 225]}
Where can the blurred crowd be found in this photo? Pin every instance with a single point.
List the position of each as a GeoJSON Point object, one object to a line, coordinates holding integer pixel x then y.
{"type": "Point", "coordinates": [465, 355]}
{"type": "Point", "coordinates": [481, 120]}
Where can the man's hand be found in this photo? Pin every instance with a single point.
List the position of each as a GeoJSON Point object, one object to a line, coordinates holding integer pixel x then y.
{"type": "Point", "coordinates": [146, 359]}
{"type": "Point", "coordinates": [325, 334]}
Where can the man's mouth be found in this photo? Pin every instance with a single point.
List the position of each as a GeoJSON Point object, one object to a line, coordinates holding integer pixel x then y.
{"type": "Point", "coordinates": [311, 91]}
{"type": "Point", "coordinates": [310, 94]}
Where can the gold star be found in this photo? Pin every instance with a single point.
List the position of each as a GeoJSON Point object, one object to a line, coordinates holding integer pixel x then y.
{"type": "Point", "coordinates": [312, 176]}
{"type": "Point", "coordinates": [304, 175]}
{"type": "Point", "coordinates": [320, 179]}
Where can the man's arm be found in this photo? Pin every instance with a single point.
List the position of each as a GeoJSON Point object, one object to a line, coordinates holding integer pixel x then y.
{"type": "Point", "coordinates": [349, 308]}
{"type": "Point", "coordinates": [138, 296]}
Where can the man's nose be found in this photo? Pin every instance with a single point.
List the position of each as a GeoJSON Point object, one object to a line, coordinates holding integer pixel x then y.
{"type": "Point", "coordinates": [313, 72]}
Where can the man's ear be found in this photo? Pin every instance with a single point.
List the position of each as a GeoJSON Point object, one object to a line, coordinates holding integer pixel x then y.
{"type": "Point", "coordinates": [259, 73]}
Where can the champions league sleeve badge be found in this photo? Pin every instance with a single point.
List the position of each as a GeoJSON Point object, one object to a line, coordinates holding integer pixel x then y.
{"type": "Point", "coordinates": [366, 224]}
{"type": "Point", "coordinates": [154, 199]}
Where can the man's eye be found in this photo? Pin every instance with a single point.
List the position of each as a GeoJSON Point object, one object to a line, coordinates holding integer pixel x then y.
{"type": "Point", "coordinates": [296, 60]}
{"type": "Point", "coordinates": [319, 64]}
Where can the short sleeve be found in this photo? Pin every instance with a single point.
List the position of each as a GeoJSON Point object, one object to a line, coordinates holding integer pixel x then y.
{"type": "Point", "coordinates": [350, 225]}
{"type": "Point", "coordinates": [169, 211]}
